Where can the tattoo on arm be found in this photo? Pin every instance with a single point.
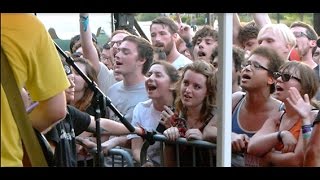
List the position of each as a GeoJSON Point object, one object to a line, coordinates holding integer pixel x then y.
{"type": "Point", "coordinates": [93, 130]}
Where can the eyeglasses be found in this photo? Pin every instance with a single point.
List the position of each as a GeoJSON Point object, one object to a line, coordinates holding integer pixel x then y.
{"type": "Point", "coordinates": [67, 69]}
{"type": "Point", "coordinates": [111, 43]}
{"type": "Point", "coordinates": [76, 55]}
{"type": "Point", "coordinates": [300, 34]}
{"type": "Point", "coordinates": [256, 65]}
{"type": "Point", "coordinates": [285, 77]}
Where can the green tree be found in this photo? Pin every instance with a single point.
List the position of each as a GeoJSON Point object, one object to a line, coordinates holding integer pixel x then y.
{"type": "Point", "coordinates": [147, 16]}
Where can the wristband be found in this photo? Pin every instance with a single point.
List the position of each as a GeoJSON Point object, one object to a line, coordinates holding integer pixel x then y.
{"type": "Point", "coordinates": [85, 21]}
{"type": "Point", "coordinates": [279, 136]}
{"type": "Point", "coordinates": [306, 128]}
{"type": "Point", "coordinates": [84, 17]}
{"type": "Point", "coordinates": [306, 135]}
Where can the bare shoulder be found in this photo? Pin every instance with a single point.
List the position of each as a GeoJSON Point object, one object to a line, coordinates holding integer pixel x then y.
{"type": "Point", "coordinates": [236, 97]}
{"type": "Point", "coordinates": [273, 121]}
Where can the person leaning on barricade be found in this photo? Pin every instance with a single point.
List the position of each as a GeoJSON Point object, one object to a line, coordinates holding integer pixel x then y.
{"type": "Point", "coordinates": [194, 114]}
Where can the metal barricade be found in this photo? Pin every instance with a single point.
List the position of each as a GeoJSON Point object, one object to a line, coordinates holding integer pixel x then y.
{"type": "Point", "coordinates": [180, 141]}
{"type": "Point", "coordinates": [125, 156]}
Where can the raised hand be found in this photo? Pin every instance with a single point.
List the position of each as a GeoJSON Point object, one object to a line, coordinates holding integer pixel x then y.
{"type": "Point", "coordinates": [165, 116]}
{"type": "Point", "coordinates": [301, 105]}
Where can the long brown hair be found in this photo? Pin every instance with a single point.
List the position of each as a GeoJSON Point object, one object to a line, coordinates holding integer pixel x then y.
{"type": "Point", "coordinates": [85, 101]}
{"type": "Point", "coordinates": [209, 103]}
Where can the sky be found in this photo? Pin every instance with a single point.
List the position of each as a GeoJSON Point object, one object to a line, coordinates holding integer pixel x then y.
{"type": "Point", "coordinates": [67, 24]}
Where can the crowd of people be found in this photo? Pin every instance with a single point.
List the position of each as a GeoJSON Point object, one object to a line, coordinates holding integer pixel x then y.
{"type": "Point", "coordinates": [167, 86]}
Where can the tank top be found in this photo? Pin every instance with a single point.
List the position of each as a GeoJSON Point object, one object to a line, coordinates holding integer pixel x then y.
{"type": "Point", "coordinates": [294, 130]}
{"type": "Point", "coordinates": [236, 127]}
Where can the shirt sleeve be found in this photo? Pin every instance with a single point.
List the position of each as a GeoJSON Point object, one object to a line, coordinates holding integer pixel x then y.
{"type": "Point", "coordinates": [81, 120]}
{"type": "Point", "coordinates": [53, 135]}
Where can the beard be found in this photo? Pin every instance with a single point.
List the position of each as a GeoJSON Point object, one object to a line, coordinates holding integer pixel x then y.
{"type": "Point", "coordinates": [168, 48]}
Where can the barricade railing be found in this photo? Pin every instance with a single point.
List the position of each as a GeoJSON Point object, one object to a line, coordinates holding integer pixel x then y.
{"type": "Point", "coordinates": [180, 141]}
{"type": "Point", "coordinates": [126, 158]}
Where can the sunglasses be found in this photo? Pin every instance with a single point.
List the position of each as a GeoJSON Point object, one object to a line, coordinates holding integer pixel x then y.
{"type": "Point", "coordinates": [285, 77]}
{"type": "Point", "coordinates": [111, 43]}
{"type": "Point", "coordinates": [301, 34]}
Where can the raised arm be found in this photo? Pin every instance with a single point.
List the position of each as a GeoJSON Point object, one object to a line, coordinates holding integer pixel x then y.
{"type": "Point", "coordinates": [236, 29]}
{"type": "Point", "coordinates": [261, 19]}
{"type": "Point", "coordinates": [88, 48]}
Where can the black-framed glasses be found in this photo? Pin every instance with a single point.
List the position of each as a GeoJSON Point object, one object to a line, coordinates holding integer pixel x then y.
{"type": "Point", "coordinates": [256, 65]}
{"type": "Point", "coordinates": [301, 34]}
{"type": "Point", "coordinates": [285, 77]}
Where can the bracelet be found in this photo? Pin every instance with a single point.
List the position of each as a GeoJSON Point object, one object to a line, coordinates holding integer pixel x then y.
{"type": "Point", "coordinates": [85, 21]}
{"type": "Point", "coordinates": [306, 128]}
{"type": "Point", "coordinates": [84, 17]}
{"type": "Point", "coordinates": [306, 135]}
{"type": "Point", "coordinates": [279, 136]}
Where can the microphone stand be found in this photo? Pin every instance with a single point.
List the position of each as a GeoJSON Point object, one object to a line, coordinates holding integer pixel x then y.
{"type": "Point", "coordinates": [100, 101]}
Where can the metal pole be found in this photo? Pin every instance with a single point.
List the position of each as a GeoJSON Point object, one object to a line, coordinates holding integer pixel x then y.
{"type": "Point", "coordinates": [224, 90]}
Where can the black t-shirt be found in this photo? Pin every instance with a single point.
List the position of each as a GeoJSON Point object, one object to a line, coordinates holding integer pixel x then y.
{"type": "Point", "coordinates": [64, 133]}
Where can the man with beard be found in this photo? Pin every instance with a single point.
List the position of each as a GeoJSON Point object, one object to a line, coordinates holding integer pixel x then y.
{"type": "Point", "coordinates": [164, 33]}
{"type": "Point", "coordinates": [306, 41]}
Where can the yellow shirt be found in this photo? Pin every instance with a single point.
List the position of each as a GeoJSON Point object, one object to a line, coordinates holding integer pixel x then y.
{"type": "Point", "coordinates": [36, 64]}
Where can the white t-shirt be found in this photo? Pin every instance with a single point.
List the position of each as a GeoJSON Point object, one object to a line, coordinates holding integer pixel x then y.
{"type": "Point", "coordinates": [181, 61]}
{"type": "Point", "coordinates": [146, 116]}
{"type": "Point", "coordinates": [105, 78]}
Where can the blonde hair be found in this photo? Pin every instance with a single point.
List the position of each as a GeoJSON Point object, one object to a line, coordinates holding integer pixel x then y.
{"type": "Point", "coordinates": [282, 30]}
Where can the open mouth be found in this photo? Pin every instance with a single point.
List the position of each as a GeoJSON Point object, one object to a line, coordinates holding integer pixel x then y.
{"type": "Point", "coordinates": [201, 54]}
{"type": "Point", "coordinates": [186, 96]}
{"type": "Point", "coordinates": [278, 88]}
{"type": "Point", "coordinates": [118, 63]}
{"type": "Point", "coordinates": [159, 46]}
{"type": "Point", "coordinates": [245, 76]}
{"type": "Point", "coordinates": [151, 87]}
